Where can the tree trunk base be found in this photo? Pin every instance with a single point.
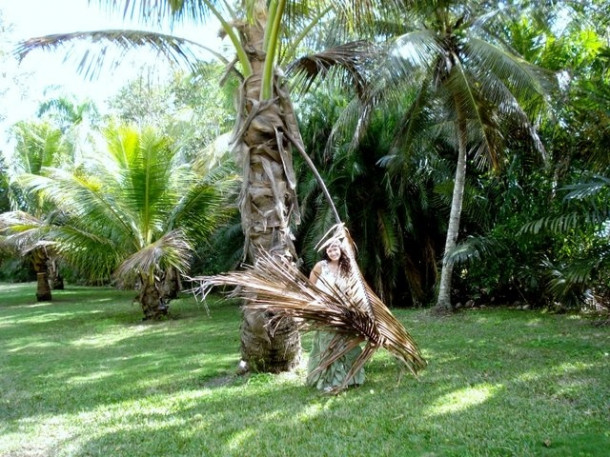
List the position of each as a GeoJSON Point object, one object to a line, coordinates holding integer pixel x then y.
{"type": "Point", "coordinates": [58, 283]}
{"type": "Point", "coordinates": [43, 291]}
{"type": "Point", "coordinates": [441, 311]}
{"type": "Point", "coordinates": [153, 304]}
{"type": "Point", "coordinates": [269, 352]}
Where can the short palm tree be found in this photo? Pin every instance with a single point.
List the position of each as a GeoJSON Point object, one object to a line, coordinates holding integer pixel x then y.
{"type": "Point", "coordinates": [23, 235]}
{"type": "Point", "coordinates": [23, 230]}
{"type": "Point", "coordinates": [136, 213]}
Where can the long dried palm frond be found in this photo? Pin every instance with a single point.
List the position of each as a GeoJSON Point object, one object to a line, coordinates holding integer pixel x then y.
{"type": "Point", "coordinates": [349, 308]}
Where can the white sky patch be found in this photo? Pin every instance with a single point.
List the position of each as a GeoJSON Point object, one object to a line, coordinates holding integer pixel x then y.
{"type": "Point", "coordinates": [44, 74]}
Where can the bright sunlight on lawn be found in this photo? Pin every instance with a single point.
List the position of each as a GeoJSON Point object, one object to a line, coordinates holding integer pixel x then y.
{"type": "Point", "coordinates": [83, 376]}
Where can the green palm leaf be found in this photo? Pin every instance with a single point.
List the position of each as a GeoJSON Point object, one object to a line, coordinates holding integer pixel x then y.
{"type": "Point", "coordinates": [137, 209]}
{"type": "Point", "coordinates": [115, 45]}
{"type": "Point", "coordinates": [22, 232]}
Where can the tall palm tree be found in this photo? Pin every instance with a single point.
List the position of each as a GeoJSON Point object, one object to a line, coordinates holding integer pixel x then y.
{"type": "Point", "coordinates": [135, 213]}
{"type": "Point", "coordinates": [266, 129]}
{"type": "Point", "coordinates": [468, 93]}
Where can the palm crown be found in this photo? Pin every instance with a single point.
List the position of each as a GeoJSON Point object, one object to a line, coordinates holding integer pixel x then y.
{"type": "Point", "coordinates": [137, 212]}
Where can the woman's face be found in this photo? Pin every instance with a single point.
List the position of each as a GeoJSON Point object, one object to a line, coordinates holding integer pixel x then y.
{"type": "Point", "coordinates": [333, 251]}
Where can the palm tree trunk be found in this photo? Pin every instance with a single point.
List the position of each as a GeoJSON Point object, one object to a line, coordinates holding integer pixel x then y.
{"type": "Point", "coordinates": [443, 303]}
{"type": "Point", "coordinates": [171, 285]}
{"type": "Point", "coordinates": [153, 304]}
{"type": "Point", "coordinates": [57, 280]}
{"type": "Point", "coordinates": [268, 203]}
{"type": "Point", "coordinates": [43, 290]}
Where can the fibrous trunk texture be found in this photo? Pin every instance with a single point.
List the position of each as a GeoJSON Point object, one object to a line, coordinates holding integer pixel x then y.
{"type": "Point", "coordinates": [43, 290]}
{"type": "Point", "coordinates": [154, 305]}
{"type": "Point", "coordinates": [171, 285]}
{"type": "Point", "coordinates": [263, 139]}
{"type": "Point", "coordinates": [57, 280]}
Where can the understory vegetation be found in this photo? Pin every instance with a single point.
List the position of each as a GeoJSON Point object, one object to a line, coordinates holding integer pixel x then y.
{"type": "Point", "coordinates": [520, 110]}
{"type": "Point", "coordinates": [84, 376]}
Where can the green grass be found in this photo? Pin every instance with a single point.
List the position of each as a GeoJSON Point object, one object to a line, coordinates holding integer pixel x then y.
{"type": "Point", "coordinates": [83, 376]}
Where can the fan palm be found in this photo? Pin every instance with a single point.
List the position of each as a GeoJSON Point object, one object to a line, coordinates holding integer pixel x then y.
{"type": "Point", "coordinates": [136, 213]}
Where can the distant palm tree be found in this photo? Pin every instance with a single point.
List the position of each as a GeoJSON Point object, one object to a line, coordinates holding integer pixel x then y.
{"type": "Point", "coordinates": [23, 230]}
{"type": "Point", "coordinates": [76, 120]}
{"type": "Point", "coordinates": [136, 213]}
{"type": "Point", "coordinates": [22, 234]}
{"type": "Point", "coordinates": [466, 94]}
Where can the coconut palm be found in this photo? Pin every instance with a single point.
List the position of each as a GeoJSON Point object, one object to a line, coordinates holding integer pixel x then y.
{"type": "Point", "coordinates": [467, 94]}
{"type": "Point", "coordinates": [266, 129]}
{"type": "Point", "coordinates": [76, 120]}
{"type": "Point", "coordinates": [23, 230]}
{"type": "Point", "coordinates": [55, 140]}
{"type": "Point", "coordinates": [22, 234]}
{"type": "Point", "coordinates": [135, 212]}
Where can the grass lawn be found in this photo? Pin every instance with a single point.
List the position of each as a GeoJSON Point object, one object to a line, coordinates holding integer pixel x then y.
{"type": "Point", "coordinates": [83, 376]}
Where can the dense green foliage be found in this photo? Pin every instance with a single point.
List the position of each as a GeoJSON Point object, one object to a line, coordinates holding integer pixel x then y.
{"type": "Point", "coordinates": [533, 230]}
{"type": "Point", "coordinates": [83, 377]}
{"type": "Point", "coordinates": [191, 108]}
{"type": "Point", "coordinates": [4, 189]}
{"type": "Point", "coordinates": [526, 234]}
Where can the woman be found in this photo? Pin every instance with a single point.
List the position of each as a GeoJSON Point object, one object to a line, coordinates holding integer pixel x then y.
{"type": "Point", "coordinates": [332, 270]}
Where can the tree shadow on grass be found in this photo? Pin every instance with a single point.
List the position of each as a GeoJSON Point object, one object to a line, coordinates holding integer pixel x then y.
{"type": "Point", "coordinates": [413, 418]}
{"type": "Point", "coordinates": [494, 387]}
{"type": "Point", "coordinates": [83, 354]}
{"type": "Point", "coordinates": [474, 413]}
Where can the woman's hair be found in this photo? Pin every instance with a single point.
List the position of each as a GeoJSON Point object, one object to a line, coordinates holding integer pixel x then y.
{"type": "Point", "coordinates": [344, 263]}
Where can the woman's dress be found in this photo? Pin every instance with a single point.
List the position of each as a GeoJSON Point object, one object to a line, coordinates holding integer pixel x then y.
{"type": "Point", "coordinates": [334, 375]}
